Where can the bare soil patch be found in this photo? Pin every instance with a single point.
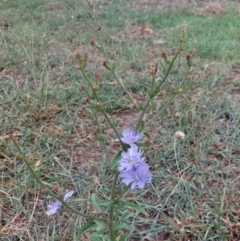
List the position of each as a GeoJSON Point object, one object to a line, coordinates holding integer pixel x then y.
{"type": "Point", "coordinates": [210, 9]}
{"type": "Point", "coordinates": [55, 6]}
{"type": "Point", "coordinates": [134, 31]}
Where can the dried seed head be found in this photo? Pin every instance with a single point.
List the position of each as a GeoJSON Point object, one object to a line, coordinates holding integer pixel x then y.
{"type": "Point", "coordinates": [163, 54]}
{"type": "Point", "coordinates": [97, 76]}
{"type": "Point", "coordinates": [194, 100]}
{"type": "Point", "coordinates": [177, 114]}
{"type": "Point", "coordinates": [77, 66]}
{"type": "Point", "coordinates": [179, 135]}
{"type": "Point", "coordinates": [89, 3]}
{"type": "Point", "coordinates": [93, 42]}
{"type": "Point", "coordinates": [153, 70]}
{"type": "Point", "coordinates": [82, 59]}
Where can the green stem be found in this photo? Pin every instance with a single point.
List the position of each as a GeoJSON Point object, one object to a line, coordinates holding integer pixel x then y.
{"type": "Point", "coordinates": [142, 113]}
{"type": "Point", "coordinates": [170, 100]}
{"type": "Point", "coordinates": [155, 91]}
{"type": "Point", "coordinates": [113, 127]}
{"type": "Point", "coordinates": [108, 62]}
{"type": "Point", "coordinates": [85, 76]}
{"type": "Point", "coordinates": [41, 183]}
{"type": "Point", "coordinates": [127, 189]}
{"type": "Point", "coordinates": [100, 130]}
{"type": "Point", "coordinates": [112, 207]}
{"type": "Point", "coordinates": [176, 156]}
{"type": "Point", "coordinates": [153, 83]}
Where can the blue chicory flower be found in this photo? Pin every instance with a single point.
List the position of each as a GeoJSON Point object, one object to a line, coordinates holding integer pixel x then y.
{"type": "Point", "coordinates": [130, 137]}
{"type": "Point", "coordinates": [137, 176]}
{"type": "Point", "coordinates": [56, 205]}
{"type": "Point", "coordinates": [130, 159]}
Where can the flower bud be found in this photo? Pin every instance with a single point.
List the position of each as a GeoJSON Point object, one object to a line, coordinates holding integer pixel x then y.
{"type": "Point", "coordinates": [3, 142]}
{"type": "Point", "coordinates": [89, 3]}
{"type": "Point", "coordinates": [93, 42]}
{"type": "Point", "coordinates": [153, 70]}
{"type": "Point", "coordinates": [82, 59]}
{"type": "Point", "coordinates": [189, 61]}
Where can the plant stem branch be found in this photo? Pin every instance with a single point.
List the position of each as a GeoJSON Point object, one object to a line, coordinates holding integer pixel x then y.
{"type": "Point", "coordinates": [119, 80]}
{"type": "Point", "coordinates": [43, 184]}
{"type": "Point", "coordinates": [112, 207]}
{"type": "Point", "coordinates": [155, 91]}
{"type": "Point", "coordinates": [113, 127]}
{"type": "Point", "coordinates": [170, 99]}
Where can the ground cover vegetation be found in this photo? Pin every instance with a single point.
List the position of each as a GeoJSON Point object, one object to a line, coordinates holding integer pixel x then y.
{"type": "Point", "coordinates": [194, 189]}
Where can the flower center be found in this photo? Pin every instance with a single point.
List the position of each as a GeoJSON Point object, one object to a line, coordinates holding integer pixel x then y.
{"type": "Point", "coordinates": [132, 162]}
{"type": "Point", "coordinates": [136, 177]}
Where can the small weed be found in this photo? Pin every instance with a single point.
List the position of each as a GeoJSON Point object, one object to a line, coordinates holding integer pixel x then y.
{"type": "Point", "coordinates": [195, 190]}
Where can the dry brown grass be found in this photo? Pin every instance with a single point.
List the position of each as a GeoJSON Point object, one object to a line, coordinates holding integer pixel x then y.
{"type": "Point", "coordinates": [213, 8]}
{"type": "Point", "coordinates": [55, 6]}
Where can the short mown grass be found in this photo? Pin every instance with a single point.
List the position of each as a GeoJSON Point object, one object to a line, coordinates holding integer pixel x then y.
{"type": "Point", "coordinates": [212, 36]}
{"type": "Point", "coordinates": [195, 190]}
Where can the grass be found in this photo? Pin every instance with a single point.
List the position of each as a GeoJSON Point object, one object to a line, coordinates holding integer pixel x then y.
{"type": "Point", "coordinates": [215, 37]}
{"type": "Point", "coordinates": [195, 189]}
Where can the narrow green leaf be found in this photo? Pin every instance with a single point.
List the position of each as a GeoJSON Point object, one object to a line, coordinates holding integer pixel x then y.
{"type": "Point", "coordinates": [147, 135]}
{"type": "Point", "coordinates": [89, 226]}
{"type": "Point", "coordinates": [95, 237]}
{"type": "Point", "coordinates": [122, 237]}
{"type": "Point", "coordinates": [126, 226]}
{"type": "Point", "coordinates": [115, 160]}
{"type": "Point", "coordinates": [133, 205]}
{"type": "Point", "coordinates": [95, 201]}
{"type": "Point", "coordinates": [99, 237]}
{"type": "Point", "coordinates": [126, 215]}
{"type": "Point", "coordinates": [100, 224]}
{"type": "Point", "coordinates": [100, 138]}
{"type": "Point", "coordinates": [104, 202]}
